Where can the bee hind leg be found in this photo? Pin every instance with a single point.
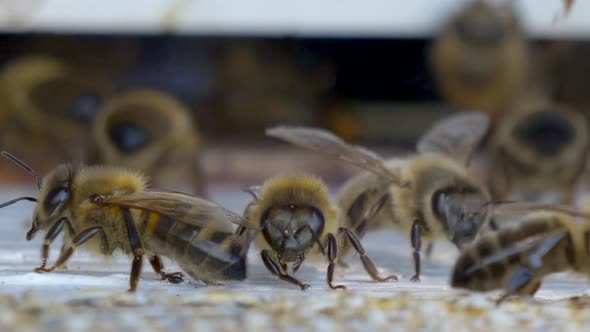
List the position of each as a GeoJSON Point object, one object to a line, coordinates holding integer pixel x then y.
{"type": "Point", "coordinates": [275, 269]}
{"type": "Point", "coordinates": [136, 249]}
{"type": "Point", "coordinates": [365, 259]}
{"type": "Point", "coordinates": [158, 266]}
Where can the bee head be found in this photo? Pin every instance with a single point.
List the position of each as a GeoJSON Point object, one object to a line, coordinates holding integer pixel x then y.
{"type": "Point", "coordinates": [292, 231]}
{"type": "Point", "coordinates": [481, 24]}
{"type": "Point", "coordinates": [55, 194]}
{"type": "Point", "coordinates": [461, 212]}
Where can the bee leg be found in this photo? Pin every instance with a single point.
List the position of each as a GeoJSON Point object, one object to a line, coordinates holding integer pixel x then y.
{"type": "Point", "coordinates": [66, 254]}
{"type": "Point", "coordinates": [136, 249]}
{"type": "Point", "coordinates": [332, 255]}
{"type": "Point", "coordinates": [416, 239]}
{"type": "Point", "coordinates": [428, 251]}
{"type": "Point", "coordinates": [53, 232]}
{"type": "Point", "coordinates": [519, 280]}
{"type": "Point", "coordinates": [365, 259]}
{"type": "Point", "coordinates": [158, 267]}
{"type": "Point", "coordinates": [275, 269]}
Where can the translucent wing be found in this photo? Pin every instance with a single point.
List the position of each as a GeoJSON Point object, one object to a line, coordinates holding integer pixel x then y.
{"type": "Point", "coordinates": [509, 209]}
{"type": "Point", "coordinates": [180, 207]}
{"type": "Point", "coordinates": [456, 136]}
{"type": "Point", "coordinates": [323, 141]}
{"type": "Point", "coordinates": [542, 244]}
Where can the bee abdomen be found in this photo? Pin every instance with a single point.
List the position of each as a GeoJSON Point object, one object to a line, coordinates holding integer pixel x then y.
{"type": "Point", "coordinates": [467, 275]}
{"type": "Point", "coordinates": [547, 132]}
{"type": "Point", "coordinates": [471, 273]}
{"type": "Point", "coordinates": [205, 254]}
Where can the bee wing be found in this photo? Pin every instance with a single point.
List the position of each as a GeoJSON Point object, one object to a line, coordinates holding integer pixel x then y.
{"type": "Point", "coordinates": [510, 209]}
{"type": "Point", "coordinates": [323, 141]}
{"type": "Point", "coordinates": [542, 244]}
{"type": "Point", "coordinates": [180, 207]}
{"type": "Point", "coordinates": [456, 136]}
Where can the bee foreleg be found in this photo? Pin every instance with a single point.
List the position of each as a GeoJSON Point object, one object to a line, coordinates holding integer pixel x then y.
{"type": "Point", "coordinates": [158, 267]}
{"type": "Point", "coordinates": [275, 269]}
{"type": "Point", "coordinates": [416, 239]}
{"type": "Point", "coordinates": [51, 235]}
{"type": "Point", "coordinates": [365, 259]}
{"type": "Point", "coordinates": [67, 253]}
{"type": "Point", "coordinates": [136, 249]}
{"type": "Point", "coordinates": [332, 255]}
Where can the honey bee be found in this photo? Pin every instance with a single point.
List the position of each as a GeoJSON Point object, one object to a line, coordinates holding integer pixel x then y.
{"type": "Point", "coordinates": [46, 105]}
{"type": "Point", "coordinates": [538, 146]}
{"type": "Point", "coordinates": [152, 132]}
{"type": "Point", "coordinates": [108, 209]}
{"type": "Point", "coordinates": [480, 59]}
{"type": "Point", "coordinates": [296, 218]}
{"type": "Point", "coordinates": [430, 195]}
{"type": "Point", "coordinates": [516, 257]}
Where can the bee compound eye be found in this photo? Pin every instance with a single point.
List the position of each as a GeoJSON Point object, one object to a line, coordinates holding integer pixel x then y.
{"type": "Point", "coordinates": [55, 198]}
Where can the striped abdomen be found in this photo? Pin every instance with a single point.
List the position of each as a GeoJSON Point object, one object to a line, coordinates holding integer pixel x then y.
{"type": "Point", "coordinates": [205, 254]}
{"type": "Point", "coordinates": [485, 264]}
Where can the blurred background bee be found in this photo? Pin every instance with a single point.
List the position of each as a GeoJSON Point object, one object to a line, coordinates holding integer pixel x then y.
{"type": "Point", "coordinates": [107, 209]}
{"type": "Point", "coordinates": [480, 58]}
{"type": "Point", "coordinates": [297, 218]}
{"type": "Point", "coordinates": [152, 132]}
{"type": "Point", "coordinates": [47, 105]}
{"type": "Point", "coordinates": [539, 146]}
{"type": "Point", "coordinates": [427, 196]}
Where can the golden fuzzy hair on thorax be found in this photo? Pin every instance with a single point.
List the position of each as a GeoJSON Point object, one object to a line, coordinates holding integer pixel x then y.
{"type": "Point", "coordinates": [106, 179]}
{"type": "Point", "coordinates": [296, 189]}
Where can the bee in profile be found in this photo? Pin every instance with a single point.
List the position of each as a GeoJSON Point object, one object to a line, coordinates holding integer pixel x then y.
{"type": "Point", "coordinates": [151, 132]}
{"type": "Point", "coordinates": [296, 218]}
{"type": "Point", "coordinates": [428, 196]}
{"type": "Point", "coordinates": [108, 209]}
{"type": "Point", "coordinates": [536, 147]}
{"type": "Point", "coordinates": [480, 59]}
{"type": "Point", "coordinates": [516, 257]}
{"type": "Point", "coordinates": [47, 104]}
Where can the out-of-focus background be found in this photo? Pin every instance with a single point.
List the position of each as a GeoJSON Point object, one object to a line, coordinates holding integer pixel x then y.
{"type": "Point", "coordinates": [365, 71]}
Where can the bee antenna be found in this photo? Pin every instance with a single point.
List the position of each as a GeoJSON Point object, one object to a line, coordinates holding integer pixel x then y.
{"type": "Point", "coordinates": [5, 204]}
{"type": "Point", "coordinates": [252, 191]}
{"type": "Point", "coordinates": [23, 165]}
